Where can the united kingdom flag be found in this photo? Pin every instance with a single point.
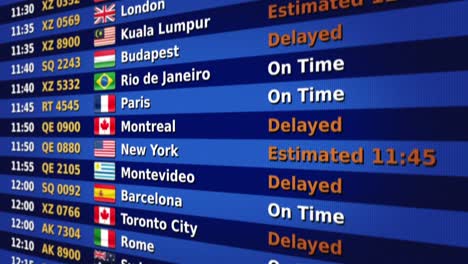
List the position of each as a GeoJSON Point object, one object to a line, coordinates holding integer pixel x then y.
{"type": "Point", "coordinates": [104, 14]}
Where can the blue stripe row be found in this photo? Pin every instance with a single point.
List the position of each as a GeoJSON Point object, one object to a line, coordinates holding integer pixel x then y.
{"type": "Point", "coordinates": [208, 47]}
{"type": "Point", "coordinates": [449, 156]}
{"type": "Point", "coordinates": [417, 225]}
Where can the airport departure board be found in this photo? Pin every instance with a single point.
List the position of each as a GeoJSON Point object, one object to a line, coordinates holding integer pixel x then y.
{"type": "Point", "coordinates": [233, 131]}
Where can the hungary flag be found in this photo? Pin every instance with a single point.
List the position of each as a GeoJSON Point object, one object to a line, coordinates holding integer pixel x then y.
{"type": "Point", "coordinates": [104, 59]}
{"type": "Point", "coordinates": [104, 215]}
{"type": "Point", "coordinates": [104, 238]}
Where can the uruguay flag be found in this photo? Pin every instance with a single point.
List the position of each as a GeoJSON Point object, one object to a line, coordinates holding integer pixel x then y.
{"type": "Point", "coordinates": [104, 103]}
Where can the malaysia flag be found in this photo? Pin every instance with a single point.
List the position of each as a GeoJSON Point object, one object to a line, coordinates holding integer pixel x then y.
{"type": "Point", "coordinates": [104, 37]}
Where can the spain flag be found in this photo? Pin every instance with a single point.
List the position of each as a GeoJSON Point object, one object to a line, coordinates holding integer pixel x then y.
{"type": "Point", "coordinates": [104, 193]}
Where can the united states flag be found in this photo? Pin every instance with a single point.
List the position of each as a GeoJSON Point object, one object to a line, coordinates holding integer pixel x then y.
{"type": "Point", "coordinates": [104, 149]}
{"type": "Point", "coordinates": [104, 14]}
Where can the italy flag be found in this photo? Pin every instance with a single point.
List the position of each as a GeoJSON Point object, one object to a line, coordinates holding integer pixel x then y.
{"type": "Point", "coordinates": [104, 238]}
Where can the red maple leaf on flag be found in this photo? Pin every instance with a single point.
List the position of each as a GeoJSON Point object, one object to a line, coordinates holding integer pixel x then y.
{"type": "Point", "coordinates": [104, 124]}
{"type": "Point", "coordinates": [104, 214]}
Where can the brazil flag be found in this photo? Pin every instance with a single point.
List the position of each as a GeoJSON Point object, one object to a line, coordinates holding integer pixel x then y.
{"type": "Point", "coordinates": [104, 81]}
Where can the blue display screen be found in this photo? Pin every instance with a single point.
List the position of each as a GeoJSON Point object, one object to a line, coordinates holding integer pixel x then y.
{"type": "Point", "coordinates": [235, 131]}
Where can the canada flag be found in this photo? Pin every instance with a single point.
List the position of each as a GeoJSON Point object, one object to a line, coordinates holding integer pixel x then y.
{"type": "Point", "coordinates": [104, 126]}
{"type": "Point", "coordinates": [104, 215]}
